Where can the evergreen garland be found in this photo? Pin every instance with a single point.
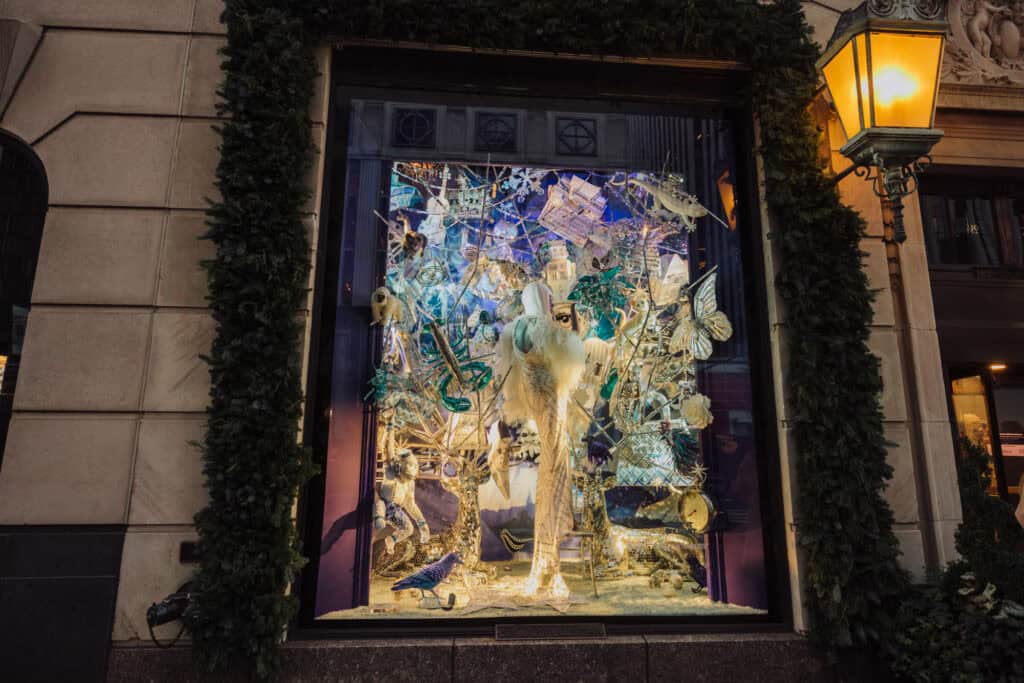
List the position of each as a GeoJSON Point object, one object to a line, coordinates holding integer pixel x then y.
{"type": "Point", "coordinates": [990, 541]}
{"type": "Point", "coordinates": [852, 575]}
{"type": "Point", "coordinates": [251, 458]}
{"type": "Point", "coordinates": [258, 281]}
{"type": "Point", "coordinates": [970, 628]}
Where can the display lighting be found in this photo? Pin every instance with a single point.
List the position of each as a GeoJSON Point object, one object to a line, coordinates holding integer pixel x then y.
{"type": "Point", "coordinates": [727, 193]}
{"type": "Point", "coordinates": [881, 69]}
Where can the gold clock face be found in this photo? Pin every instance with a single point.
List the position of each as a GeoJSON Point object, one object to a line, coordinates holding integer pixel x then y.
{"type": "Point", "coordinates": [696, 509]}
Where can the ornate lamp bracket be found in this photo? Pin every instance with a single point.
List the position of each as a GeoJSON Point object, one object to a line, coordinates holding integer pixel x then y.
{"type": "Point", "coordinates": [891, 159]}
{"type": "Point", "coordinates": [890, 182]}
{"type": "Point", "coordinates": [882, 52]}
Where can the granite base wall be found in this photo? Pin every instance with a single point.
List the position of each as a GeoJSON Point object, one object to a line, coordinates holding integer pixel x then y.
{"type": "Point", "coordinates": [751, 658]}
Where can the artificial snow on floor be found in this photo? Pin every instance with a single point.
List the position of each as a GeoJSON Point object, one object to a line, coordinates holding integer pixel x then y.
{"type": "Point", "coordinates": [503, 596]}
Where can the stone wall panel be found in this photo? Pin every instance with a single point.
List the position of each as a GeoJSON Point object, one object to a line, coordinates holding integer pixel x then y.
{"type": "Point", "coordinates": [182, 277]}
{"type": "Point", "coordinates": [912, 549]}
{"type": "Point", "coordinates": [196, 156]}
{"type": "Point", "coordinates": [876, 265]}
{"type": "Point", "coordinates": [822, 21]}
{"type": "Point", "coordinates": [150, 570]}
{"type": "Point", "coordinates": [67, 469]}
{"type": "Point", "coordinates": [139, 15]}
{"type": "Point", "coordinates": [178, 379]}
{"type": "Point", "coordinates": [99, 256]}
{"type": "Point", "coordinates": [901, 491]}
{"type": "Point", "coordinates": [203, 76]}
{"type": "Point", "coordinates": [98, 71]}
{"type": "Point", "coordinates": [854, 191]}
{"type": "Point", "coordinates": [109, 160]}
{"type": "Point", "coordinates": [945, 535]}
{"type": "Point", "coordinates": [83, 359]}
{"type": "Point", "coordinates": [940, 455]}
{"type": "Point", "coordinates": [207, 17]}
{"type": "Point", "coordinates": [168, 476]}
{"type": "Point", "coordinates": [931, 385]}
{"type": "Point", "coordinates": [884, 344]}
{"type": "Point", "coordinates": [319, 105]}
{"type": "Point", "coordinates": [779, 337]}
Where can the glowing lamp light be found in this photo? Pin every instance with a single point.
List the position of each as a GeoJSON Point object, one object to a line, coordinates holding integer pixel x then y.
{"type": "Point", "coordinates": [881, 69]}
{"type": "Point", "coordinates": [997, 367]}
{"type": "Point", "coordinates": [884, 79]}
{"type": "Point", "coordinates": [892, 84]}
{"type": "Point", "coordinates": [727, 193]}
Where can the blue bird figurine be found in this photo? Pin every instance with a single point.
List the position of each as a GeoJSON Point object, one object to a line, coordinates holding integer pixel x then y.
{"type": "Point", "coordinates": [426, 578]}
{"type": "Point", "coordinates": [698, 572]}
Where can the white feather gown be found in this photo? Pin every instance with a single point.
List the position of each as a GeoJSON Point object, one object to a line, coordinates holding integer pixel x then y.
{"type": "Point", "coordinates": [544, 364]}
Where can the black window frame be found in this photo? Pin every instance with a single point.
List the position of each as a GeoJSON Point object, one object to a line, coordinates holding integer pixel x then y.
{"type": "Point", "coordinates": [436, 76]}
{"type": "Point", "coordinates": [990, 380]}
{"type": "Point", "coordinates": [961, 182]}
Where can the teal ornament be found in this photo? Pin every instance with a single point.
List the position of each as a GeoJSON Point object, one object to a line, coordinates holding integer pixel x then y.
{"type": "Point", "coordinates": [604, 328]}
{"type": "Point", "coordinates": [685, 449]}
{"type": "Point", "coordinates": [609, 387]}
{"type": "Point", "coordinates": [602, 294]}
{"type": "Point", "coordinates": [378, 386]}
{"type": "Point", "coordinates": [452, 356]}
{"type": "Point", "coordinates": [476, 376]}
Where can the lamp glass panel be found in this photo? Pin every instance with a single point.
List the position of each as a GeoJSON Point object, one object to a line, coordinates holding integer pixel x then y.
{"type": "Point", "coordinates": [904, 69]}
{"type": "Point", "coordinates": [842, 84]}
{"type": "Point", "coordinates": [861, 55]}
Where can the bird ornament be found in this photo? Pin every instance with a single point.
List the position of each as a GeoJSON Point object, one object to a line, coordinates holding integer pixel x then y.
{"type": "Point", "coordinates": [426, 578]}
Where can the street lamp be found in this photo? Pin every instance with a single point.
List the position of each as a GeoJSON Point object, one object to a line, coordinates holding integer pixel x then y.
{"type": "Point", "coordinates": [881, 68]}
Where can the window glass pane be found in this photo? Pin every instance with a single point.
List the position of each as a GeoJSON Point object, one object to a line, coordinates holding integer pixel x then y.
{"type": "Point", "coordinates": [1008, 394]}
{"type": "Point", "coordinates": [903, 71]}
{"type": "Point", "coordinates": [842, 84]}
{"type": "Point", "coordinates": [960, 230]}
{"type": "Point", "coordinates": [552, 412]}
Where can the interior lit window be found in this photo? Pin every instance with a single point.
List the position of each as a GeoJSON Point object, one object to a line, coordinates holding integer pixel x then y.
{"type": "Point", "coordinates": [989, 408]}
{"type": "Point", "coordinates": [970, 406]}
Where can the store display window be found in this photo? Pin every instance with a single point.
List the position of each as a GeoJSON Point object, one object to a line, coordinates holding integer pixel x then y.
{"type": "Point", "coordinates": [1008, 396]}
{"type": "Point", "coordinates": [540, 400]}
{"type": "Point", "coordinates": [970, 398]}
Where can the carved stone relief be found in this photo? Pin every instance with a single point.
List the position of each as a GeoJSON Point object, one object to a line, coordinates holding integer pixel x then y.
{"type": "Point", "coordinates": [985, 45]}
{"type": "Point", "coordinates": [906, 9]}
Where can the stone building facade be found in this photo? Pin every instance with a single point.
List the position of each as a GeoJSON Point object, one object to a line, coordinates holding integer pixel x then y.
{"type": "Point", "coordinates": [118, 100]}
{"type": "Point", "coordinates": [99, 479]}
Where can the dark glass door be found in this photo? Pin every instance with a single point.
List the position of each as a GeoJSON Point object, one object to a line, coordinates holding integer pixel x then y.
{"type": "Point", "coordinates": [988, 407]}
{"type": "Point", "coordinates": [23, 197]}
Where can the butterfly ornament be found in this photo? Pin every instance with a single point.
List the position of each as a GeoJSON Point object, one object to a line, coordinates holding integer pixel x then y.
{"type": "Point", "coordinates": [704, 322]}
